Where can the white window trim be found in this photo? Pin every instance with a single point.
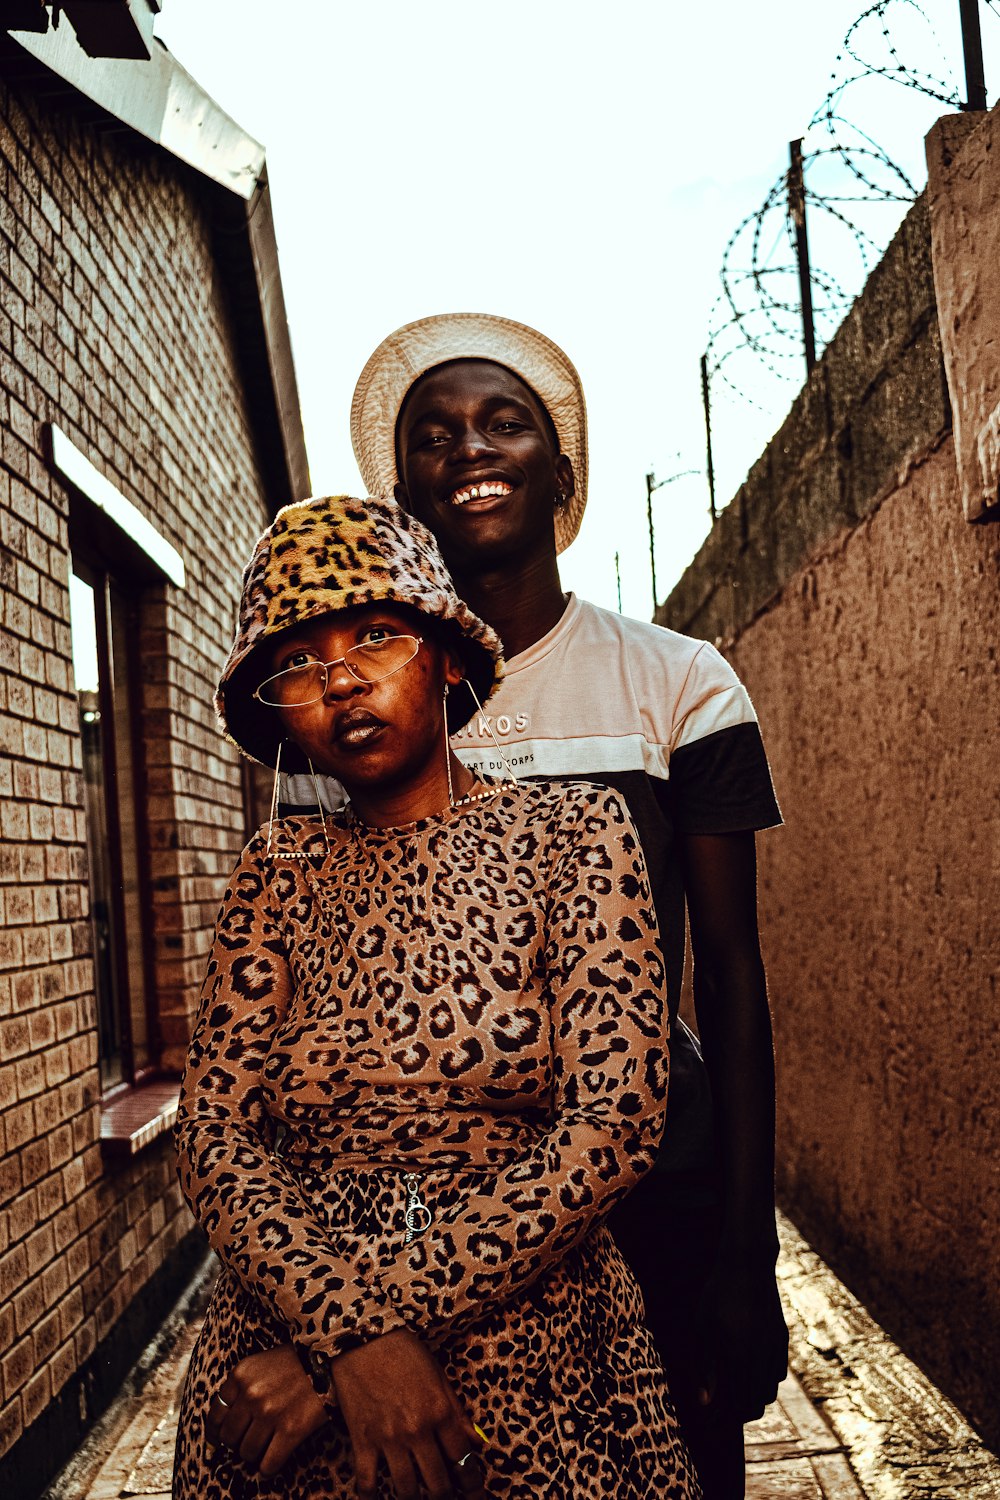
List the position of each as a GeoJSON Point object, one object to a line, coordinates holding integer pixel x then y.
{"type": "Point", "coordinates": [75, 466]}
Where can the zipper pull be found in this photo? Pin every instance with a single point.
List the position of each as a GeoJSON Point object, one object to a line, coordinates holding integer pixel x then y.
{"type": "Point", "coordinates": [418, 1216]}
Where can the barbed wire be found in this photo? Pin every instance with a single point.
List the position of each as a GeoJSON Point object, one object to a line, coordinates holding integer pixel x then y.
{"type": "Point", "coordinates": [845, 178]}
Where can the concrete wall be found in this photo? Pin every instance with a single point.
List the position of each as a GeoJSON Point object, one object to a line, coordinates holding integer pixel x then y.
{"type": "Point", "coordinates": [863, 611]}
{"type": "Point", "coordinates": [877, 397]}
{"type": "Point", "coordinates": [116, 324]}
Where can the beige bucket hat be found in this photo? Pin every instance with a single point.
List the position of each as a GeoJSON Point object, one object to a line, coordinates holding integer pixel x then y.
{"type": "Point", "coordinates": [415, 348]}
{"type": "Point", "coordinates": [323, 555]}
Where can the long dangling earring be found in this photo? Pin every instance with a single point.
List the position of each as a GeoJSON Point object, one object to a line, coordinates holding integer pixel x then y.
{"type": "Point", "coordinates": [447, 750]}
{"type": "Point", "coordinates": [319, 804]}
{"type": "Point", "coordinates": [489, 729]}
{"type": "Point", "coordinates": [274, 797]}
{"type": "Point", "coordinates": [274, 807]}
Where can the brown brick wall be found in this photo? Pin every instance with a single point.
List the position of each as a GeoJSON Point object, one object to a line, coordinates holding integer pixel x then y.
{"type": "Point", "coordinates": [114, 325]}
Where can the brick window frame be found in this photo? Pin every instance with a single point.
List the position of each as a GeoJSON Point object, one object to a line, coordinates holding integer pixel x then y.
{"type": "Point", "coordinates": [119, 549]}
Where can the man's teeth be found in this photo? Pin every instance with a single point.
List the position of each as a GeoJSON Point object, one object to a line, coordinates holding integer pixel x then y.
{"type": "Point", "coordinates": [480, 492]}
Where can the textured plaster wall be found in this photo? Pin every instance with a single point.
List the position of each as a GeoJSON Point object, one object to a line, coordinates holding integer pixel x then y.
{"type": "Point", "coordinates": [862, 608]}
{"type": "Point", "coordinates": [875, 674]}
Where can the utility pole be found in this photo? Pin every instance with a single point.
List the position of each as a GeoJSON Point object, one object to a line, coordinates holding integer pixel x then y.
{"type": "Point", "coordinates": [707, 404]}
{"type": "Point", "coordinates": [972, 48]}
{"type": "Point", "coordinates": [797, 212]}
{"type": "Point", "coordinates": [618, 580]}
{"type": "Point", "coordinates": [652, 483]}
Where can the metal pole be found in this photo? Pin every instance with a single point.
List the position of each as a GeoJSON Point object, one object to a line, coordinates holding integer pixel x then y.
{"type": "Point", "coordinates": [650, 487]}
{"type": "Point", "coordinates": [618, 580]}
{"type": "Point", "coordinates": [972, 48]}
{"type": "Point", "coordinates": [797, 209]}
{"type": "Point", "coordinates": [706, 403]}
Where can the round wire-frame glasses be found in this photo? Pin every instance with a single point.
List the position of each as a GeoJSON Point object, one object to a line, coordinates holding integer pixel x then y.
{"type": "Point", "coordinates": [371, 661]}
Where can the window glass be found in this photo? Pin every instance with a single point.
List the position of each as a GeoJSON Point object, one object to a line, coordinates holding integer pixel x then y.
{"type": "Point", "coordinates": [102, 624]}
{"type": "Point", "coordinates": [84, 632]}
{"type": "Point", "coordinates": [123, 631]}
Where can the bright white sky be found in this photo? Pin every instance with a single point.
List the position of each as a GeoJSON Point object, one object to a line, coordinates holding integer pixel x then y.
{"type": "Point", "coordinates": [576, 165]}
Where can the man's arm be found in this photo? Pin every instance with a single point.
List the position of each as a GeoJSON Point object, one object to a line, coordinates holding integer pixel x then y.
{"type": "Point", "coordinates": [746, 1342]}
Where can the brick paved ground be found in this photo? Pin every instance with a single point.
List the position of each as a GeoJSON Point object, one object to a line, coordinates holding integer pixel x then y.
{"type": "Point", "coordinates": [853, 1421]}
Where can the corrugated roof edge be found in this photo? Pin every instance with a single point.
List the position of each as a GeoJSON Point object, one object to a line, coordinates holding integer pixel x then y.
{"type": "Point", "coordinates": [160, 100]}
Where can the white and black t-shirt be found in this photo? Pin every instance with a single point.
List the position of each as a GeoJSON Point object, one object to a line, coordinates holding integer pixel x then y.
{"type": "Point", "coordinates": [665, 720]}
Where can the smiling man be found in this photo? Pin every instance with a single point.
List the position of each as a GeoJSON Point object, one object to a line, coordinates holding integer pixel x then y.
{"type": "Point", "coordinates": [478, 425]}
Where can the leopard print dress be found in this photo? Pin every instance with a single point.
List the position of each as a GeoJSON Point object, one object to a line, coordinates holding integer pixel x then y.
{"type": "Point", "coordinates": [472, 1005]}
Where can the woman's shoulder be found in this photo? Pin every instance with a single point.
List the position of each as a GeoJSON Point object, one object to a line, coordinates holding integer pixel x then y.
{"type": "Point", "coordinates": [565, 802]}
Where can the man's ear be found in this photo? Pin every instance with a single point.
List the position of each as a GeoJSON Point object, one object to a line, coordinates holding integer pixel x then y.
{"type": "Point", "coordinates": [565, 476]}
{"type": "Point", "coordinates": [402, 499]}
{"type": "Point", "coordinates": [454, 671]}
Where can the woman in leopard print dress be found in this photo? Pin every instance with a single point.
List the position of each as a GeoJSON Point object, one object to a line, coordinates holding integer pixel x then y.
{"type": "Point", "coordinates": [429, 1058]}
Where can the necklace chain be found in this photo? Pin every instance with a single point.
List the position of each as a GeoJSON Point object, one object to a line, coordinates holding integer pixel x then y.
{"type": "Point", "coordinates": [470, 797]}
{"type": "Point", "coordinates": [468, 800]}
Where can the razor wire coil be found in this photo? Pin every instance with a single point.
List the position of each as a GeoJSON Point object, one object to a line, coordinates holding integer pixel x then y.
{"type": "Point", "coordinates": [757, 319]}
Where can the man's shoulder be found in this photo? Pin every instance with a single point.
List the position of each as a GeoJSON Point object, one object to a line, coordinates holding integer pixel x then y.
{"type": "Point", "coordinates": [673, 678]}
{"type": "Point", "coordinates": [640, 636]}
{"type": "Point", "coordinates": [655, 659]}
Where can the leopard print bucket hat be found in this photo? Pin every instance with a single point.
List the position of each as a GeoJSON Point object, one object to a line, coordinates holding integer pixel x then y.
{"type": "Point", "coordinates": [401, 359]}
{"type": "Point", "coordinates": [323, 555]}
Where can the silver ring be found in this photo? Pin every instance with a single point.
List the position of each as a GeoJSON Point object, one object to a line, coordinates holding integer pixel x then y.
{"type": "Point", "coordinates": [221, 1402]}
{"type": "Point", "coordinates": [465, 1458]}
{"type": "Point", "coordinates": [417, 1218]}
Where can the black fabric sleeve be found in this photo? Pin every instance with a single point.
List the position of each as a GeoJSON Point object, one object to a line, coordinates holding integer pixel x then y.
{"type": "Point", "coordinates": [722, 783]}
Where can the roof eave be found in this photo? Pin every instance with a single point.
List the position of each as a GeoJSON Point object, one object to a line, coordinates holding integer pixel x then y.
{"type": "Point", "coordinates": [160, 100]}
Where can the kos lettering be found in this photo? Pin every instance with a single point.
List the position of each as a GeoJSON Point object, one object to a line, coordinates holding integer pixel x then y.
{"type": "Point", "coordinates": [479, 729]}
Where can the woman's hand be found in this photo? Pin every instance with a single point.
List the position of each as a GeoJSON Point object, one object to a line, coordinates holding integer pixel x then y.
{"type": "Point", "coordinates": [265, 1408]}
{"type": "Point", "coordinates": [399, 1407]}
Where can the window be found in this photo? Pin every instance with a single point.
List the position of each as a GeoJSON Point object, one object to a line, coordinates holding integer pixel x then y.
{"type": "Point", "coordinates": [104, 631]}
{"type": "Point", "coordinates": [120, 561]}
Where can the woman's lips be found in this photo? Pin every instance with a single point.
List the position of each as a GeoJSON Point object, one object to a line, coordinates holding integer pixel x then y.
{"type": "Point", "coordinates": [353, 730]}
